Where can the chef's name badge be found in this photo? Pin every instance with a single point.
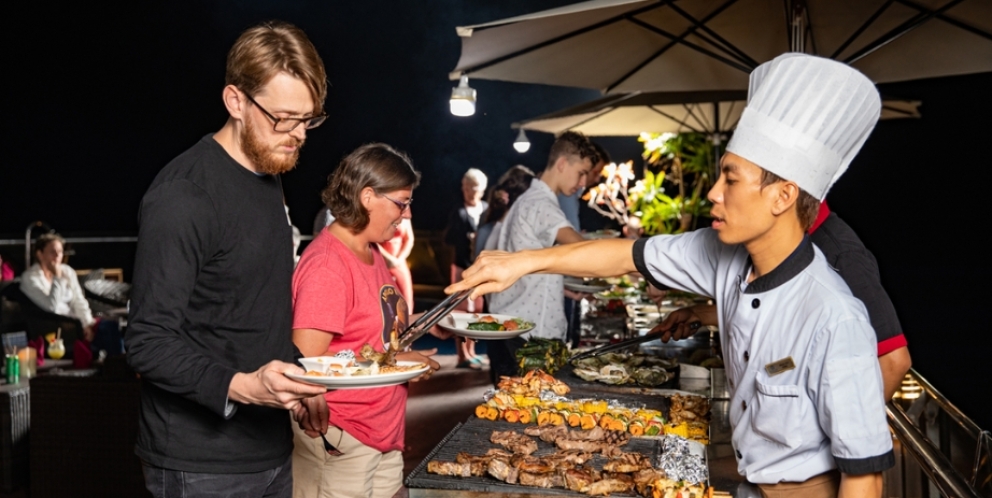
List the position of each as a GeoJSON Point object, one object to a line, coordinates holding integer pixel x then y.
{"type": "Point", "coordinates": [783, 365]}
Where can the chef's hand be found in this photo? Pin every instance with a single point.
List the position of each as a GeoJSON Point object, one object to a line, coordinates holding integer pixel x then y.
{"type": "Point", "coordinates": [493, 271]}
{"type": "Point", "coordinates": [313, 415]}
{"type": "Point", "coordinates": [656, 295]}
{"type": "Point", "coordinates": [269, 386]}
{"type": "Point", "coordinates": [677, 325]}
{"type": "Point", "coordinates": [423, 356]}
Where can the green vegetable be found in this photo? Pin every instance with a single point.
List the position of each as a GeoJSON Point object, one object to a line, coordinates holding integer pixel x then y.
{"type": "Point", "coordinates": [548, 355]}
{"type": "Point", "coordinates": [490, 326]}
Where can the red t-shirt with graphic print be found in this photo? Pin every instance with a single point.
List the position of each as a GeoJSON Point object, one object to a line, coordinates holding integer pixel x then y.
{"type": "Point", "coordinates": [335, 292]}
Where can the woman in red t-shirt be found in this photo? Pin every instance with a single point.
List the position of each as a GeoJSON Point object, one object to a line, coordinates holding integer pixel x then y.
{"type": "Point", "coordinates": [344, 297]}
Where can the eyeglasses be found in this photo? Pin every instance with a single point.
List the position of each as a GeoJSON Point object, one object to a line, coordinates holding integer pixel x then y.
{"type": "Point", "coordinates": [286, 125]}
{"type": "Point", "coordinates": [402, 205]}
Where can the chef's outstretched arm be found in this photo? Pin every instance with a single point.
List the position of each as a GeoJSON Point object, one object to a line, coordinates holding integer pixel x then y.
{"type": "Point", "coordinates": [494, 271]}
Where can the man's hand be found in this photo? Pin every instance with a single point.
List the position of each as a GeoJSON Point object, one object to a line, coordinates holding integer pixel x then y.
{"type": "Point", "coordinates": [677, 325]}
{"type": "Point", "coordinates": [313, 416]}
{"type": "Point", "coordinates": [421, 357]}
{"type": "Point", "coordinates": [268, 386]}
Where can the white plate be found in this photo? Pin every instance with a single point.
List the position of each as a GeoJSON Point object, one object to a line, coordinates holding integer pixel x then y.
{"type": "Point", "coordinates": [578, 285]}
{"type": "Point", "coordinates": [362, 381]}
{"type": "Point", "coordinates": [457, 323]}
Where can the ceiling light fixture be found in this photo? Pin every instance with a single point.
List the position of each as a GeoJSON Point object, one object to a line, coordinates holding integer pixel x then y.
{"type": "Point", "coordinates": [462, 98]}
{"type": "Point", "coordinates": [521, 143]}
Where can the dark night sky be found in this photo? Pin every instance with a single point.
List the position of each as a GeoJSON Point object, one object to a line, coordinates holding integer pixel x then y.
{"type": "Point", "coordinates": [99, 98]}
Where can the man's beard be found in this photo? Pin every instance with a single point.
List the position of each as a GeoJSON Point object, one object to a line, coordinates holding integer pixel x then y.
{"type": "Point", "coordinates": [268, 161]}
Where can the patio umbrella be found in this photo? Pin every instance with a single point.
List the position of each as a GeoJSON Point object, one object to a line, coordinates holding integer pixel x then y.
{"type": "Point", "coordinates": [632, 113]}
{"type": "Point", "coordinates": [622, 46]}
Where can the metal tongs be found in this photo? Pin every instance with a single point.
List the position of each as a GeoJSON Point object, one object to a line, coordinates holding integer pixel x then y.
{"type": "Point", "coordinates": [629, 342]}
{"type": "Point", "coordinates": [431, 318]}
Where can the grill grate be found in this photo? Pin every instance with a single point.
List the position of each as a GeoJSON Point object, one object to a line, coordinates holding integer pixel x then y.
{"type": "Point", "coordinates": [473, 437]}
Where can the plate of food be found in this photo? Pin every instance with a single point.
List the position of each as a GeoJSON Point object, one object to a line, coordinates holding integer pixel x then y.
{"type": "Point", "coordinates": [588, 285]}
{"type": "Point", "coordinates": [334, 374]}
{"type": "Point", "coordinates": [485, 325]}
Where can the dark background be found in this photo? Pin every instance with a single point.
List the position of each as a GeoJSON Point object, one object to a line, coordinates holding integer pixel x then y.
{"type": "Point", "coordinates": [99, 98]}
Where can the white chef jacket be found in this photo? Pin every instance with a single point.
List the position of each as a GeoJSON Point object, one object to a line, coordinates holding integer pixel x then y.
{"type": "Point", "coordinates": [62, 296]}
{"type": "Point", "coordinates": [825, 413]}
{"type": "Point", "coordinates": [533, 223]}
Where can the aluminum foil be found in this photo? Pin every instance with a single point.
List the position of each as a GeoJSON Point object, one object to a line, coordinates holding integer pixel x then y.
{"type": "Point", "coordinates": [488, 395]}
{"type": "Point", "coordinates": [679, 463]}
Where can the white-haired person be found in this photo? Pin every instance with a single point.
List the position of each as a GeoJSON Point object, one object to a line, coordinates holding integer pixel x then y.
{"type": "Point", "coordinates": [460, 236]}
{"type": "Point", "coordinates": [806, 393]}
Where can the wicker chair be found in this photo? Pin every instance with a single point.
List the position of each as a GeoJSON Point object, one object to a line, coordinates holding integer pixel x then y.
{"type": "Point", "coordinates": [83, 431]}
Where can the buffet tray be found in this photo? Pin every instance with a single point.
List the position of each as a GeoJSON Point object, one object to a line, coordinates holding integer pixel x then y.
{"type": "Point", "coordinates": [473, 437]}
{"type": "Point", "coordinates": [581, 388]}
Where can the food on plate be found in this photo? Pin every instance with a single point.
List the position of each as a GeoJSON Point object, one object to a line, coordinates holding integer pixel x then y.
{"type": "Point", "coordinates": [388, 358]}
{"type": "Point", "coordinates": [544, 354]}
{"type": "Point", "coordinates": [490, 323]}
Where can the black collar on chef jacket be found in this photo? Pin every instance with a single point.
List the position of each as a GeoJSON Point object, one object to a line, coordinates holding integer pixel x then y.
{"type": "Point", "coordinates": [795, 263]}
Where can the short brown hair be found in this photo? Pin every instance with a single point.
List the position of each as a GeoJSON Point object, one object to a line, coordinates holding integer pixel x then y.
{"type": "Point", "coordinates": [807, 206]}
{"type": "Point", "coordinates": [272, 47]}
{"type": "Point", "coordinates": [43, 240]}
{"type": "Point", "coordinates": [377, 166]}
{"type": "Point", "coordinates": [572, 143]}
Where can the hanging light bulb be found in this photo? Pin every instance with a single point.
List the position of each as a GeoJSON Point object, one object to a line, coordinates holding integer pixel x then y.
{"type": "Point", "coordinates": [521, 143]}
{"type": "Point", "coordinates": [462, 98]}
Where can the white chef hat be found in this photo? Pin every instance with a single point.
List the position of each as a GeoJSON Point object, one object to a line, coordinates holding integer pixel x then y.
{"type": "Point", "coordinates": [806, 118]}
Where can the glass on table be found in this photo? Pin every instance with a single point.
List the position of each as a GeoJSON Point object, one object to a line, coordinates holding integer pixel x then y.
{"type": "Point", "coordinates": [56, 350]}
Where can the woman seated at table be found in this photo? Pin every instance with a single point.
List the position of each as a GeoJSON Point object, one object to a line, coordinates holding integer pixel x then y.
{"type": "Point", "coordinates": [344, 297]}
{"type": "Point", "coordinates": [53, 286]}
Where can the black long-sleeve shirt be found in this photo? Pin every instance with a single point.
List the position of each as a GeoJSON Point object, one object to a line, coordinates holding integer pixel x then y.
{"type": "Point", "coordinates": [211, 297]}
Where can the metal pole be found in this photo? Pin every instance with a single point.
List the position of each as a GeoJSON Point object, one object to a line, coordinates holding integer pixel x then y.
{"type": "Point", "coordinates": [931, 460]}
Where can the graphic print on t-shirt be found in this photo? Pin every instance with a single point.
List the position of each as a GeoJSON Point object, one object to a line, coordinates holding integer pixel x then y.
{"type": "Point", "coordinates": [395, 313]}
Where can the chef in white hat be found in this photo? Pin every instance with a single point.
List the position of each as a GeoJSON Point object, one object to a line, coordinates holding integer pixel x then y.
{"type": "Point", "coordinates": [806, 392]}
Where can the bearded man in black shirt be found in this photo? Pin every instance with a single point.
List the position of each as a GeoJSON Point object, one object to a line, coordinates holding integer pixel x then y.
{"type": "Point", "coordinates": [211, 305]}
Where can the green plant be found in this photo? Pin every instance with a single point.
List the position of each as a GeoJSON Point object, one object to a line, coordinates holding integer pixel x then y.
{"type": "Point", "coordinates": [685, 162]}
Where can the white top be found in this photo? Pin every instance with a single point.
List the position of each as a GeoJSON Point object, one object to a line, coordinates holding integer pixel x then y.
{"type": "Point", "coordinates": [827, 411]}
{"type": "Point", "coordinates": [475, 212]}
{"type": "Point", "coordinates": [62, 295]}
{"type": "Point", "coordinates": [533, 223]}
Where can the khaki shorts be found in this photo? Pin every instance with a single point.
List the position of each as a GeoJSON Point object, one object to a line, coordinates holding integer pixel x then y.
{"type": "Point", "coordinates": [825, 485]}
{"type": "Point", "coordinates": [360, 471]}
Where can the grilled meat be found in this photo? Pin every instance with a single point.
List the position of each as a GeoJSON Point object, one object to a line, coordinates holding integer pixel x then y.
{"type": "Point", "coordinates": [532, 464]}
{"type": "Point", "coordinates": [579, 479]}
{"type": "Point", "coordinates": [514, 441]}
{"type": "Point", "coordinates": [643, 479]}
{"type": "Point", "coordinates": [627, 463]}
{"type": "Point", "coordinates": [547, 433]}
{"type": "Point", "coordinates": [610, 485]}
{"type": "Point", "coordinates": [688, 409]}
{"type": "Point", "coordinates": [502, 470]}
{"type": "Point", "coordinates": [454, 469]}
{"type": "Point", "coordinates": [544, 480]}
